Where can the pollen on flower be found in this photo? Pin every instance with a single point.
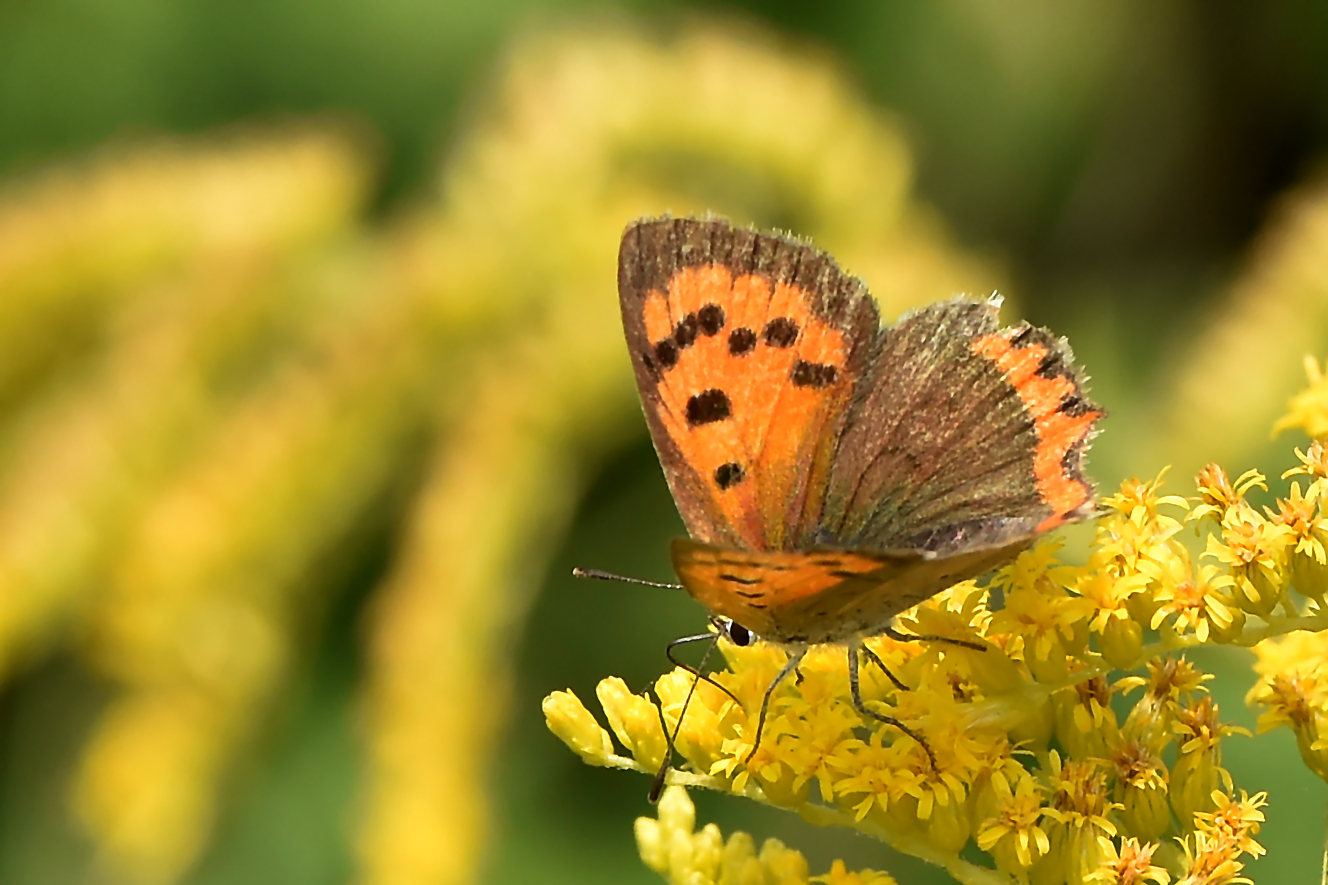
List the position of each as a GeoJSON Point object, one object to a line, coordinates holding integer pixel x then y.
{"type": "Point", "coordinates": [1235, 821]}
{"type": "Point", "coordinates": [1131, 864]}
{"type": "Point", "coordinates": [1198, 602]}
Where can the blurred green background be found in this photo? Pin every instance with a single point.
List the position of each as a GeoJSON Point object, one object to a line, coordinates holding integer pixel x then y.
{"type": "Point", "coordinates": [289, 492]}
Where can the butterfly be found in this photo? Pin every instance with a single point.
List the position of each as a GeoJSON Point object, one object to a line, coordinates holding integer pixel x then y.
{"type": "Point", "coordinates": [833, 472]}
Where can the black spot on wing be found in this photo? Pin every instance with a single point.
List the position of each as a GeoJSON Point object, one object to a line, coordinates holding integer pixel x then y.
{"type": "Point", "coordinates": [781, 332]}
{"type": "Point", "coordinates": [710, 319]}
{"type": "Point", "coordinates": [685, 333]}
{"type": "Point", "coordinates": [708, 406]}
{"type": "Point", "coordinates": [738, 579]}
{"type": "Point", "coordinates": [741, 341]}
{"type": "Point", "coordinates": [1075, 406]}
{"type": "Point", "coordinates": [729, 475]}
{"type": "Point", "coordinates": [666, 353]}
{"type": "Point", "coordinates": [815, 375]}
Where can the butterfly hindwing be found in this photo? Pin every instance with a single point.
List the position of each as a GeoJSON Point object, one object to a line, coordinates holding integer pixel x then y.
{"type": "Point", "coordinates": [964, 435]}
{"type": "Point", "coordinates": [747, 348]}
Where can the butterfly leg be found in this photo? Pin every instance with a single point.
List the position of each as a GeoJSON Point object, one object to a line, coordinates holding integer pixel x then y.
{"type": "Point", "coordinates": [699, 637]}
{"type": "Point", "coordinates": [671, 740]}
{"type": "Point", "coordinates": [789, 667]}
{"type": "Point", "coordinates": [871, 656]}
{"type": "Point", "coordinates": [855, 687]}
{"type": "Point", "coordinates": [928, 637]}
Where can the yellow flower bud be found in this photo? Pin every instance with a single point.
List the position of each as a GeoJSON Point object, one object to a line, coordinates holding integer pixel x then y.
{"type": "Point", "coordinates": [635, 720]}
{"type": "Point", "coordinates": [949, 827]}
{"type": "Point", "coordinates": [1309, 576]}
{"type": "Point", "coordinates": [785, 866]}
{"type": "Point", "coordinates": [1122, 642]}
{"type": "Point", "coordinates": [651, 844]}
{"type": "Point", "coordinates": [1146, 812]}
{"type": "Point", "coordinates": [1193, 780]}
{"type": "Point", "coordinates": [574, 725]}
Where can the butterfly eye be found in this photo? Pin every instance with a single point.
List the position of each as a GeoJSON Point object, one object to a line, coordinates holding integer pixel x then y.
{"type": "Point", "coordinates": [739, 635]}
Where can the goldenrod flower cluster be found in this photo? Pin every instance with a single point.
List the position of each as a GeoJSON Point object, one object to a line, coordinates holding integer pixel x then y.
{"type": "Point", "coordinates": [1056, 768]}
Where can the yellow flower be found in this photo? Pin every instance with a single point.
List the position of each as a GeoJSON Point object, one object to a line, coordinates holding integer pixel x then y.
{"type": "Point", "coordinates": [1141, 789]}
{"type": "Point", "coordinates": [1039, 614]}
{"type": "Point", "coordinates": [1132, 864]}
{"type": "Point", "coordinates": [1313, 462]}
{"type": "Point", "coordinates": [1013, 833]}
{"type": "Point", "coordinates": [1080, 828]}
{"type": "Point", "coordinates": [1198, 772]}
{"type": "Point", "coordinates": [1210, 861]}
{"type": "Point", "coordinates": [1235, 822]}
{"type": "Point", "coordinates": [1200, 602]}
{"type": "Point", "coordinates": [1089, 810]}
{"type": "Point", "coordinates": [1308, 532]}
{"type": "Point", "coordinates": [1138, 502]}
{"type": "Point", "coordinates": [1085, 723]}
{"type": "Point", "coordinates": [1122, 637]}
{"type": "Point", "coordinates": [1218, 497]}
{"type": "Point", "coordinates": [1169, 679]}
{"type": "Point", "coordinates": [838, 875]}
{"type": "Point", "coordinates": [1254, 549]}
{"type": "Point", "coordinates": [1308, 409]}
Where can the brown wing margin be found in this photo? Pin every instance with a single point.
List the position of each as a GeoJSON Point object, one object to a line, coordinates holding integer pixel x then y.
{"type": "Point", "coordinates": [753, 476]}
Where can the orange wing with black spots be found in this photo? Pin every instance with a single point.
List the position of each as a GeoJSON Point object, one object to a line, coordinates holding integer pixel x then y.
{"type": "Point", "coordinates": [747, 349]}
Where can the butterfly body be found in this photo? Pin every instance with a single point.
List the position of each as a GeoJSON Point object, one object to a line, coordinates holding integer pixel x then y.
{"type": "Point", "coordinates": [832, 472]}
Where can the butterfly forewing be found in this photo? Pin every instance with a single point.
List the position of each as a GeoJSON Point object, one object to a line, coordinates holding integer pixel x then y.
{"type": "Point", "coordinates": [747, 348]}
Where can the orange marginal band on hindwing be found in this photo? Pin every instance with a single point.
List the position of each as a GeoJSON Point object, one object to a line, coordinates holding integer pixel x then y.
{"type": "Point", "coordinates": [1040, 371]}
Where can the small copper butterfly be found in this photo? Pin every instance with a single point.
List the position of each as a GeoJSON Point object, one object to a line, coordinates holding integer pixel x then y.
{"type": "Point", "coordinates": [831, 472]}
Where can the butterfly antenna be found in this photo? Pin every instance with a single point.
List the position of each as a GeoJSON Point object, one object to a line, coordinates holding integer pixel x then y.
{"type": "Point", "coordinates": [657, 786]}
{"type": "Point", "coordinates": [789, 666]}
{"type": "Point", "coordinates": [598, 575]}
{"type": "Point", "coordinates": [856, 690]}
